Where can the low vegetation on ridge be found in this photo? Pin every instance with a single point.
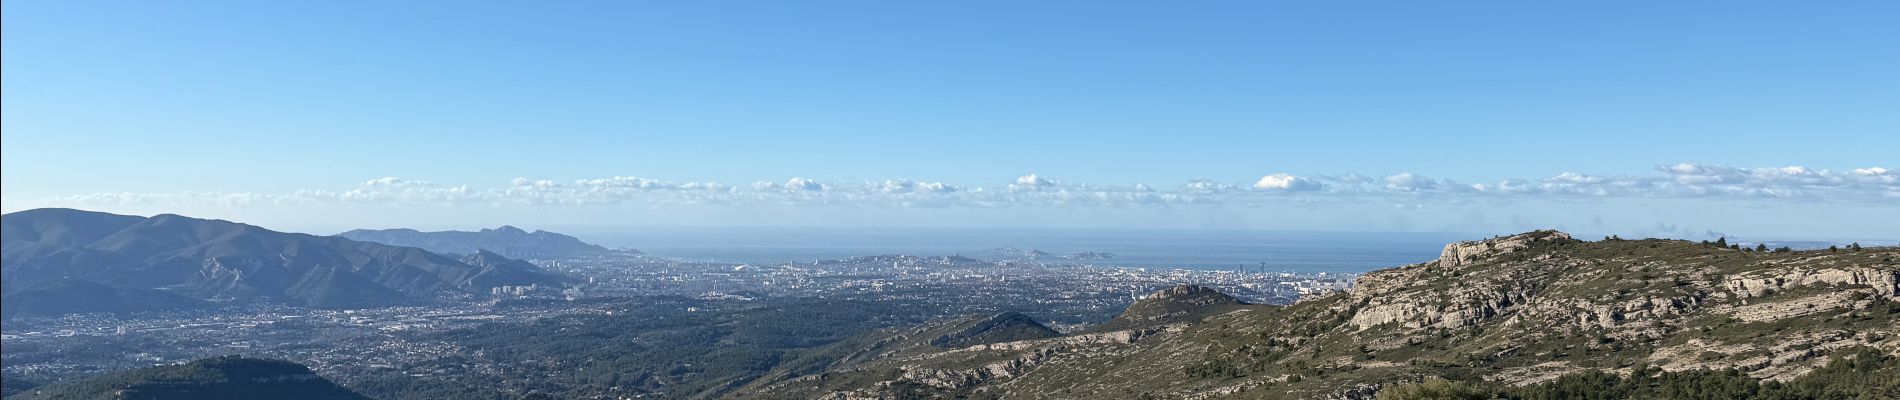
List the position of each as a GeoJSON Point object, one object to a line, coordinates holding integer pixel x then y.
{"type": "Point", "coordinates": [1533, 316]}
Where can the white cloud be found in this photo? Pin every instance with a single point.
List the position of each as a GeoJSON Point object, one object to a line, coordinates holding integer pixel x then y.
{"type": "Point", "coordinates": [530, 183]}
{"type": "Point", "coordinates": [935, 187]}
{"type": "Point", "coordinates": [1287, 183]}
{"type": "Point", "coordinates": [896, 186]}
{"type": "Point", "coordinates": [899, 186]}
{"type": "Point", "coordinates": [793, 185]}
{"type": "Point", "coordinates": [1575, 178]}
{"type": "Point", "coordinates": [1207, 187]}
{"type": "Point", "coordinates": [1774, 182]}
{"type": "Point", "coordinates": [391, 189]}
{"type": "Point", "coordinates": [1349, 179]}
{"type": "Point", "coordinates": [627, 182]}
{"type": "Point", "coordinates": [1033, 182]}
{"type": "Point", "coordinates": [1665, 230]}
{"type": "Point", "coordinates": [1408, 182]}
{"type": "Point", "coordinates": [1698, 174]}
{"type": "Point", "coordinates": [804, 184]}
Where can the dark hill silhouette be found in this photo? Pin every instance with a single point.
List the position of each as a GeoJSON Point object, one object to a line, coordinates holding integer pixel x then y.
{"type": "Point", "coordinates": [216, 378]}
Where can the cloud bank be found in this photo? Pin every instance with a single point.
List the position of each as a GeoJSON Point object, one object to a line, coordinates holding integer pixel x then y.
{"type": "Point", "coordinates": [1878, 186]}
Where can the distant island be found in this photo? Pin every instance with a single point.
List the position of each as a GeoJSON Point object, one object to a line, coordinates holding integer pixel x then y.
{"type": "Point", "coordinates": [1033, 254]}
{"type": "Point", "coordinates": [507, 241]}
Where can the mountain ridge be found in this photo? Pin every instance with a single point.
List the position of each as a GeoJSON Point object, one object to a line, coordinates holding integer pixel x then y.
{"type": "Point", "coordinates": [506, 240]}
{"type": "Point", "coordinates": [224, 261]}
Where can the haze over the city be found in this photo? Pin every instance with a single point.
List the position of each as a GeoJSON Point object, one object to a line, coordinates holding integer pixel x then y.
{"type": "Point", "coordinates": [1693, 120]}
{"type": "Point", "coordinates": [848, 199]}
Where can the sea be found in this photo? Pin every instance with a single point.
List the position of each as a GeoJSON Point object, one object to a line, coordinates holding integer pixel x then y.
{"type": "Point", "coordinates": [1272, 251]}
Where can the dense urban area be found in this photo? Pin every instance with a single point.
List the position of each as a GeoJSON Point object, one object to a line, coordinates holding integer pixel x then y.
{"type": "Point", "coordinates": [443, 339]}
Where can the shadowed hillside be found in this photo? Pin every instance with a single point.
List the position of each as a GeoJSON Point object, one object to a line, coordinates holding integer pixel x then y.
{"type": "Point", "coordinates": [221, 378]}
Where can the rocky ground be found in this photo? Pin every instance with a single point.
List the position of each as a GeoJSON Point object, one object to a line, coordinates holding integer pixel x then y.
{"type": "Point", "coordinates": [1515, 310]}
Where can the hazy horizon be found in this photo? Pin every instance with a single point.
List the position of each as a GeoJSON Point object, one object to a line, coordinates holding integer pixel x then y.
{"type": "Point", "coordinates": [1751, 119]}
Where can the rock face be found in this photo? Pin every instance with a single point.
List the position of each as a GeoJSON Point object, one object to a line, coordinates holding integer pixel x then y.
{"type": "Point", "coordinates": [226, 261]}
{"type": "Point", "coordinates": [1462, 253]}
{"type": "Point", "coordinates": [1518, 309]}
{"type": "Point", "coordinates": [1761, 283]}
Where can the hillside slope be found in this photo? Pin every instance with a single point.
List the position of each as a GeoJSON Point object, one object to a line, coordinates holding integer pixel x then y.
{"type": "Point", "coordinates": [900, 343]}
{"type": "Point", "coordinates": [1507, 311]}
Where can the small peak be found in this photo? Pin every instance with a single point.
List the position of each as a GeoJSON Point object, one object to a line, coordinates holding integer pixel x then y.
{"type": "Point", "coordinates": [1009, 315]}
{"type": "Point", "coordinates": [1193, 295]}
{"type": "Point", "coordinates": [1181, 291]}
{"type": "Point", "coordinates": [482, 256]}
{"type": "Point", "coordinates": [170, 217]}
{"type": "Point", "coordinates": [1001, 327]}
{"type": "Point", "coordinates": [510, 229]}
{"type": "Point", "coordinates": [1462, 253]}
{"type": "Point", "coordinates": [1176, 304]}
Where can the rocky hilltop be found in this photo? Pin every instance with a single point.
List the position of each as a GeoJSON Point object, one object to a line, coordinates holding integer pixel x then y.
{"type": "Point", "coordinates": [1185, 303]}
{"type": "Point", "coordinates": [1461, 253]}
{"type": "Point", "coordinates": [1517, 311]}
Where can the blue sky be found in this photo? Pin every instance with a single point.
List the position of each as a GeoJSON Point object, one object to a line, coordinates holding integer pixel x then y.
{"type": "Point", "coordinates": [293, 113]}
